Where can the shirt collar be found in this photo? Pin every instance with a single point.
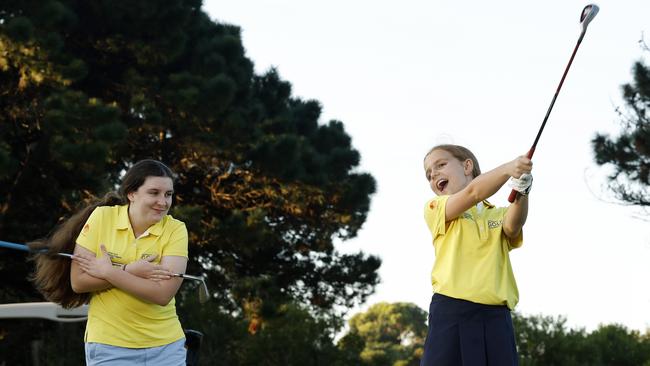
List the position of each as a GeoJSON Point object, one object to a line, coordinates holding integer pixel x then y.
{"type": "Point", "coordinates": [123, 217]}
{"type": "Point", "coordinates": [157, 228]}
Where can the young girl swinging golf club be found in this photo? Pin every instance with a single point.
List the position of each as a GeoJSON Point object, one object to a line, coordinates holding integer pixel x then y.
{"type": "Point", "coordinates": [125, 249]}
{"type": "Point", "coordinates": [474, 286]}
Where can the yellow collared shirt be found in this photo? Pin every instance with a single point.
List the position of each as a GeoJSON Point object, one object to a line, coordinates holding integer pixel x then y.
{"type": "Point", "coordinates": [114, 316]}
{"type": "Point", "coordinates": [472, 254]}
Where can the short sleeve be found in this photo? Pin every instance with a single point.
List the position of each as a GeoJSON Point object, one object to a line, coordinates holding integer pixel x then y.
{"type": "Point", "coordinates": [89, 234]}
{"type": "Point", "coordinates": [177, 244]}
{"type": "Point", "coordinates": [516, 242]}
{"type": "Point", "coordinates": [434, 215]}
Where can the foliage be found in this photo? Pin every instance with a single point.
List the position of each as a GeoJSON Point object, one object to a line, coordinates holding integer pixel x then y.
{"type": "Point", "coordinates": [292, 337]}
{"type": "Point", "coordinates": [386, 334]}
{"type": "Point", "coordinates": [628, 154]}
{"type": "Point", "coordinates": [88, 88]}
{"type": "Point", "coordinates": [52, 347]}
{"type": "Point", "coordinates": [545, 340]}
{"type": "Point", "coordinates": [394, 333]}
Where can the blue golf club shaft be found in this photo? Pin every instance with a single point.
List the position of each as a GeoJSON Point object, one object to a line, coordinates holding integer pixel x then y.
{"type": "Point", "coordinates": [25, 248]}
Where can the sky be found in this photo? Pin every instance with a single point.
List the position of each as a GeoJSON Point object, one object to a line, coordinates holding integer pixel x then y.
{"type": "Point", "coordinates": [406, 75]}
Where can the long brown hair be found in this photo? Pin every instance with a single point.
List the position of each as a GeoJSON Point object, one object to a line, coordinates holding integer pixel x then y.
{"type": "Point", "coordinates": [52, 274]}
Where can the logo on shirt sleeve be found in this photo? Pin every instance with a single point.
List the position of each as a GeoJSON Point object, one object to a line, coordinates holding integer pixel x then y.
{"type": "Point", "coordinates": [468, 216]}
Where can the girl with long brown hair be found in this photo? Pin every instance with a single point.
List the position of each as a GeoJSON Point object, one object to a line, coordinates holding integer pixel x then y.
{"type": "Point", "coordinates": [126, 248]}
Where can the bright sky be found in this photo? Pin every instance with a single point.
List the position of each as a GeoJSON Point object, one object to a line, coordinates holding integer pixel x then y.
{"type": "Point", "coordinates": [406, 75]}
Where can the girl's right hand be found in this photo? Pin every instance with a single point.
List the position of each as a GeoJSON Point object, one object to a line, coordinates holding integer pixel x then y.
{"type": "Point", "coordinates": [521, 165]}
{"type": "Point", "coordinates": [145, 269]}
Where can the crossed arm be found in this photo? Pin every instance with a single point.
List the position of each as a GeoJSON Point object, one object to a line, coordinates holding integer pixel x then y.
{"type": "Point", "coordinates": [142, 279]}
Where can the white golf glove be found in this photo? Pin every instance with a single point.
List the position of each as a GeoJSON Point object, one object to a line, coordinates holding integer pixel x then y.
{"type": "Point", "coordinates": [522, 184]}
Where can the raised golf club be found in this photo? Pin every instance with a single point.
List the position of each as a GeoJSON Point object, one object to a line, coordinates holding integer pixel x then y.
{"type": "Point", "coordinates": [204, 294]}
{"type": "Point", "coordinates": [588, 14]}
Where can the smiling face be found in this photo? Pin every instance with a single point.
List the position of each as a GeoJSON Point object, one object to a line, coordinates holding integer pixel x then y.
{"type": "Point", "coordinates": [151, 201]}
{"type": "Point", "coordinates": [445, 173]}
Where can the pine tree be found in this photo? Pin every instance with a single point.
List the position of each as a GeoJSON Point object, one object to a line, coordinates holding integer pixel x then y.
{"type": "Point", "coordinates": [629, 152]}
{"type": "Point", "coordinates": [266, 189]}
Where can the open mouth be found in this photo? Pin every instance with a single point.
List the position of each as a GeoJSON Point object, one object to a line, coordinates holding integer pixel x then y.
{"type": "Point", "coordinates": [441, 184]}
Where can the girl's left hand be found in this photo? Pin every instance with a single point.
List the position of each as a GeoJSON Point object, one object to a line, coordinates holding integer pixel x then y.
{"type": "Point", "coordinates": [144, 268]}
{"type": "Point", "coordinates": [96, 267]}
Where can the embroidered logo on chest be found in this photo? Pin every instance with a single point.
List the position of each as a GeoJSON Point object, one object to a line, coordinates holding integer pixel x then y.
{"type": "Point", "coordinates": [493, 224]}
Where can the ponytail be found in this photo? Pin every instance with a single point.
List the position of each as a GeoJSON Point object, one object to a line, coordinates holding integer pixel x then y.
{"type": "Point", "coordinates": [52, 275]}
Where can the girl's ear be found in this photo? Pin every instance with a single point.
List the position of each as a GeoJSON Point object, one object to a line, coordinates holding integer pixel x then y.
{"type": "Point", "coordinates": [468, 166]}
{"type": "Point", "coordinates": [129, 196]}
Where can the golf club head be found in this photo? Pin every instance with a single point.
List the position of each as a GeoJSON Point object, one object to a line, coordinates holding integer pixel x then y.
{"type": "Point", "coordinates": [204, 294]}
{"type": "Point", "coordinates": [588, 14]}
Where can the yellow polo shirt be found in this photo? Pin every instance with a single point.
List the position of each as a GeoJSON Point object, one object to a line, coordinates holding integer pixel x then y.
{"type": "Point", "coordinates": [472, 254]}
{"type": "Point", "coordinates": [114, 316]}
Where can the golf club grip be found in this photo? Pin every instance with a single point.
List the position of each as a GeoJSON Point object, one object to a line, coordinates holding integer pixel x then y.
{"type": "Point", "coordinates": [513, 193]}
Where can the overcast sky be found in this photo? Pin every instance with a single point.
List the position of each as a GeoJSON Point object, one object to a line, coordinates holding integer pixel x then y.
{"type": "Point", "coordinates": [406, 75]}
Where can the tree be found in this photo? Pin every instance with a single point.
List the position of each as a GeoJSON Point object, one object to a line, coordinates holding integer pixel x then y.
{"type": "Point", "coordinates": [546, 340]}
{"type": "Point", "coordinates": [389, 334]}
{"type": "Point", "coordinates": [88, 88]}
{"type": "Point", "coordinates": [292, 337]}
{"type": "Point", "coordinates": [629, 153]}
{"type": "Point", "coordinates": [614, 344]}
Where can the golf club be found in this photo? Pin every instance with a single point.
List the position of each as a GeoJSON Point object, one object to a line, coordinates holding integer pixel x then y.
{"type": "Point", "coordinates": [25, 248]}
{"type": "Point", "coordinates": [204, 295]}
{"type": "Point", "coordinates": [587, 15]}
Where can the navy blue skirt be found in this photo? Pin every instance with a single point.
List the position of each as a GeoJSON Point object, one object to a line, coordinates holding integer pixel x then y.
{"type": "Point", "coordinates": [469, 334]}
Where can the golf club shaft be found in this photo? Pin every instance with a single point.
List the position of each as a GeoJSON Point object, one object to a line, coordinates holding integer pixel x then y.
{"type": "Point", "coordinates": [183, 275]}
{"type": "Point", "coordinates": [204, 295]}
{"type": "Point", "coordinates": [513, 193]}
{"type": "Point", "coordinates": [25, 248]}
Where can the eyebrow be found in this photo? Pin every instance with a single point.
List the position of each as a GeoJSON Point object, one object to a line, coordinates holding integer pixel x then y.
{"type": "Point", "coordinates": [436, 162]}
{"type": "Point", "coordinates": [156, 189]}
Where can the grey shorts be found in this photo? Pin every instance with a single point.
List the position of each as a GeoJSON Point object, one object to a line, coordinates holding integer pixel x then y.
{"type": "Point", "coordinates": [173, 354]}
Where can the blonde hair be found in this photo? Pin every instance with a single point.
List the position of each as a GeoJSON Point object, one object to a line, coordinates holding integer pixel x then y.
{"type": "Point", "coordinates": [459, 152]}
